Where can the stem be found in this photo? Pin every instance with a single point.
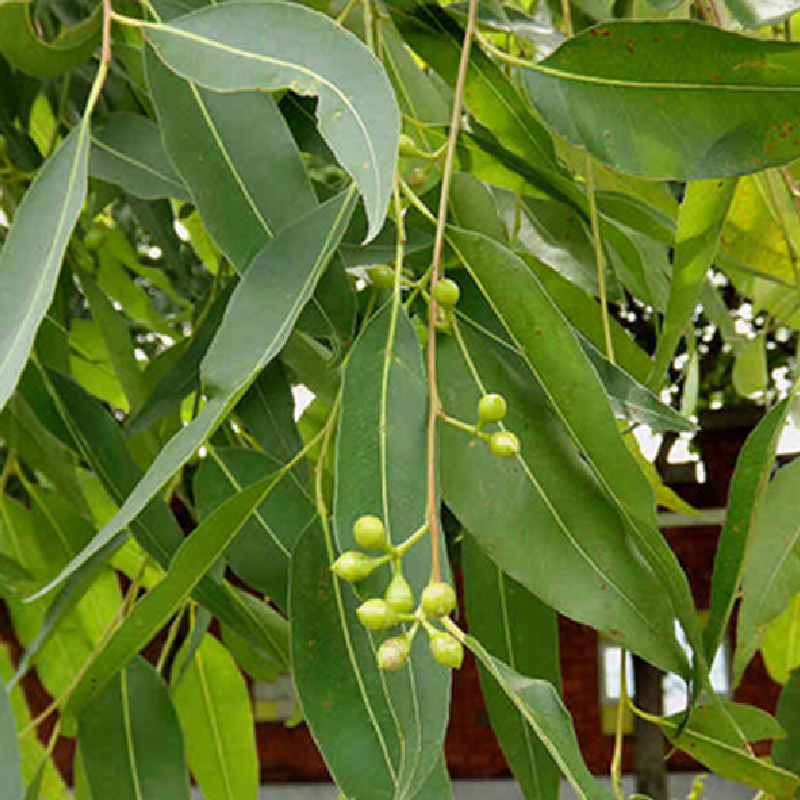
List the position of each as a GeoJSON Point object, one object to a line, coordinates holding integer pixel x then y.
{"type": "Point", "coordinates": [616, 761]}
{"type": "Point", "coordinates": [599, 257]}
{"type": "Point", "coordinates": [405, 546]}
{"type": "Point", "coordinates": [434, 404]}
{"type": "Point", "coordinates": [597, 239]}
{"type": "Point", "coordinates": [472, 430]}
{"type": "Point", "coordinates": [172, 634]}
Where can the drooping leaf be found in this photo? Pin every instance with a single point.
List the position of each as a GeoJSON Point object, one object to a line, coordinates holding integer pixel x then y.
{"type": "Point", "coordinates": [196, 556]}
{"type": "Point", "coordinates": [31, 752]}
{"type": "Point", "coordinates": [781, 645]}
{"type": "Point", "coordinates": [263, 46]}
{"type": "Point", "coordinates": [216, 718]}
{"type": "Point", "coordinates": [746, 495]}
{"type": "Point", "coordinates": [750, 375]}
{"type": "Point", "coordinates": [637, 96]}
{"type": "Point", "coordinates": [380, 470]}
{"type": "Point", "coordinates": [702, 214]}
{"type": "Point", "coordinates": [244, 192]}
{"type": "Point", "coordinates": [349, 693]}
{"type": "Point", "coordinates": [633, 400]}
{"type": "Point", "coordinates": [260, 553]}
{"type": "Point", "coordinates": [772, 571]}
{"type": "Point", "coordinates": [540, 706]}
{"type": "Point", "coordinates": [127, 150]}
{"type": "Point", "coordinates": [786, 752]}
{"type": "Point", "coordinates": [32, 252]}
{"type": "Point", "coordinates": [27, 51]}
{"type": "Point", "coordinates": [556, 360]}
{"type": "Point", "coordinates": [256, 325]}
{"type": "Point", "coordinates": [103, 447]}
{"type": "Point", "coordinates": [547, 500]}
{"type": "Point", "coordinates": [522, 630]}
{"type": "Point", "coordinates": [703, 739]}
{"type": "Point", "coordinates": [494, 100]}
{"type": "Point", "coordinates": [130, 740]}
{"type": "Point", "coordinates": [11, 786]}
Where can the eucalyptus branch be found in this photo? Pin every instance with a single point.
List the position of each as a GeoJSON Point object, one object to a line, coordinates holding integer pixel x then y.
{"type": "Point", "coordinates": [434, 404]}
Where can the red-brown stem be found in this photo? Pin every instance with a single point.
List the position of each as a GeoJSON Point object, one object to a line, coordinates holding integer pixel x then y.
{"type": "Point", "coordinates": [107, 13]}
{"type": "Point", "coordinates": [434, 404]}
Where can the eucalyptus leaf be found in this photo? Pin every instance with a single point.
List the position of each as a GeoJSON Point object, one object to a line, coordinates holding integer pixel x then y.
{"type": "Point", "coordinates": [234, 47]}
{"type": "Point", "coordinates": [772, 571]}
{"type": "Point", "coordinates": [786, 752]}
{"type": "Point", "coordinates": [130, 740]}
{"type": "Point", "coordinates": [636, 95]}
{"type": "Point", "coordinates": [11, 786]}
{"type": "Point", "coordinates": [260, 315]}
{"type": "Point", "coordinates": [213, 706]}
{"type": "Point", "coordinates": [127, 150]}
{"type": "Point", "coordinates": [32, 252]}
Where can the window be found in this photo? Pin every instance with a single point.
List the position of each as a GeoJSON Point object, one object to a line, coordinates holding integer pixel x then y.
{"type": "Point", "coordinates": [675, 696]}
{"type": "Point", "coordinates": [274, 702]}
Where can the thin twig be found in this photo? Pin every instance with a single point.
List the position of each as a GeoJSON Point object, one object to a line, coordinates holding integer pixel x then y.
{"type": "Point", "coordinates": [434, 404]}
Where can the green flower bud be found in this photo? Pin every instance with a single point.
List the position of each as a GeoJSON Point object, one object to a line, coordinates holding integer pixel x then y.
{"type": "Point", "coordinates": [491, 408]}
{"type": "Point", "coordinates": [438, 600]}
{"type": "Point", "coordinates": [369, 533]}
{"type": "Point", "coordinates": [447, 650]}
{"type": "Point", "coordinates": [353, 566]}
{"type": "Point", "coordinates": [446, 292]}
{"type": "Point", "coordinates": [393, 653]}
{"type": "Point", "coordinates": [377, 615]}
{"type": "Point", "coordinates": [399, 595]}
{"type": "Point", "coordinates": [504, 444]}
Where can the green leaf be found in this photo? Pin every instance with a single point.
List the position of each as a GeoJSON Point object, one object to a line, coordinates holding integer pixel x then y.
{"type": "Point", "coordinates": [11, 785]}
{"type": "Point", "coordinates": [786, 752]}
{"type": "Point", "coordinates": [702, 214]}
{"type": "Point", "coordinates": [127, 150]}
{"type": "Point", "coordinates": [256, 324]}
{"type": "Point", "coordinates": [32, 253]}
{"type": "Point", "coordinates": [341, 688]}
{"type": "Point", "coordinates": [243, 191]}
{"type": "Point", "coordinates": [758, 13]}
{"type": "Point", "coordinates": [237, 47]}
{"type": "Point", "coordinates": [103, 447]}
{"type": "Point", "coordinates": [492, 99]}
{"type": "Point", "coordinates": [633, 400]}
{"type": "Point", "coordinates": [213, 706]}
{"type": "Point", "coordinates": [540, 706]}
{"type": "Point", "coordinates": [195, 557]}
{"type": "Point", "coordinates": [380, 470]}
{"type": "Point", "coordinates": [745, 497]}
{"type": "Point", "coordinates": [260, 553]}
{"type": "Point", "coordinates": [701, 738]}
{"type": "Point", "coordinates": [130, 740]}
{"type": "Point", "coordinates": [772, 571]}
{"type": "Point", "coordinates": [27, 51]}
{"type": "Point", "coordinates": [781, 645]}
{"type": "Point", "coordinates": [750, 376]}
{"type": "Point", "coordinates": [556, 360]}
{"type": "Point", "coordinates": [547, 500]}
{"type": "Point", "coordinates": [637, 96]}
{"type": "Point", "coordinates": [511, 622]}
